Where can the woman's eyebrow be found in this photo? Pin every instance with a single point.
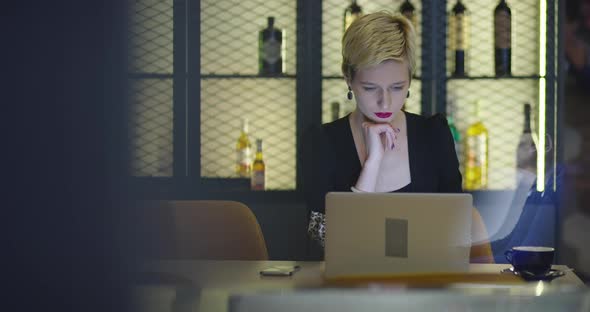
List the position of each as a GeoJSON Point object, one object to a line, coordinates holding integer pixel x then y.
{"type": "Point", "coordinates": [372, 83]}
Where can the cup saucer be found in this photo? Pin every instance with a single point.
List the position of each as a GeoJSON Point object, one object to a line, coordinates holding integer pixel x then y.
{"type": "Point", "coordinates": [529, 276]}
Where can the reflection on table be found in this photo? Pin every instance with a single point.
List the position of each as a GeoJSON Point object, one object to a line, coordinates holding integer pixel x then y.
{"type": "Point", "coordinates": [209, 285]}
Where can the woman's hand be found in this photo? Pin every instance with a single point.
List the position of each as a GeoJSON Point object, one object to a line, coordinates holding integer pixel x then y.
{"type": "Point", "coordinates": [379, 137]}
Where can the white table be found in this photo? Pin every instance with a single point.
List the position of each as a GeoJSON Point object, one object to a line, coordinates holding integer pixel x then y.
{"type": "Point", "coordinates": [207, 285]}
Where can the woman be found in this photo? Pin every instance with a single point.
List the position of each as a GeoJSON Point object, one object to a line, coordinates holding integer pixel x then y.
{"type": "Point", "coordinates": [379, 147]}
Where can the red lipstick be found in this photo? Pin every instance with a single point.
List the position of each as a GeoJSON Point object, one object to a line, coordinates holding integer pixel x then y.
{"type": "Point", "coordinates": [383, 115]}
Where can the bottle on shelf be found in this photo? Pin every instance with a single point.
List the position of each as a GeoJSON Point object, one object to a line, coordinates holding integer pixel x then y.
{"type": "Point", "coordinates": [526, 153]}
{"type": "Point", "coordinates": [270, 41]}
{"type": "Point", "coordinates": [258, 179]}
{"type": "Point", "coordinates": [335, 106]}
{"type": "Point", "coordinates": [408, 10]}
{"type": "Point", "coordinates": [454, 131]}
{"type": "Point", "coordinates": [459, 36]}
{"type": "Point", "coordinates": [476, 154]}
{"type": "Point", "coordinates": [243, 152]}
{"type": "Point", "coordinates": [352, 12]}
{"type": "Point", "coordinates": [502, 39]}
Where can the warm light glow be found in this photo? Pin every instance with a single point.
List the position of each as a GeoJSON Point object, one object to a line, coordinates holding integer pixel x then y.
{"type": "Point", "coordinates": [539, 288]}
{"type": "Point", "coordinates": [542, 100]}
{"type": "Point", "coordinates": [284, 51]}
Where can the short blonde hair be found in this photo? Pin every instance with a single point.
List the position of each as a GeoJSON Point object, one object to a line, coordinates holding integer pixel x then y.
{"type": "Point", "coordinates": [375, 38]}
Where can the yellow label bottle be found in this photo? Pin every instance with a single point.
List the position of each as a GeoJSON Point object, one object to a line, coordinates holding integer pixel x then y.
{"type": "Point", "coordinates": [352, 12]}
{"type": "Point", "coordinates": [258, 178]}
{"type": "Point", "coordinates": [476, 154]}
{"type": "Point", "coordinates": [459, 37]}
{"type": "Point", "coordinates": [243, 152]}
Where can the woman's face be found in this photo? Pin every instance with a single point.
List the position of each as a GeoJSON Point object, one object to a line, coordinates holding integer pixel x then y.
{"type": "Point", "coordinates": [380, 91]}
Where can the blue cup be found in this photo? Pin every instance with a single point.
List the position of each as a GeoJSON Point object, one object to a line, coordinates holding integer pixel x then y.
{"type": "Point", "coordinates": [535, 260]}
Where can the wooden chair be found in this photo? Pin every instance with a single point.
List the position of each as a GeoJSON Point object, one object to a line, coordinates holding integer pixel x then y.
{"type": "Point", "coordinates": [204, 229]}
{"type": "Point", "coordinates": [481, 251]}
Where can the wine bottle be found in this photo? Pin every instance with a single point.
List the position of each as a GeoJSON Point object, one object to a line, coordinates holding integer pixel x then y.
{"type": "Point", "coordinates": [243, 151]}
{"type": "Point", "coordinates": [257, 181]}
{"type": "Point", "coordinates": [270, 40]}
{"type": "Point", "coordinates": [335, 110]}
{"type": "Point", "coordinates": [502, 38]}
{"type": "Point", "coordinates": [476, 154]}
{"type": "Point", "coordinates": [454, 131]}
{"type": "Point", "coordinates": [526, 153]}
{"type": "Point", "coordinates": [352, 12]}
{"type": "Point", "coordinates": [408, 10]}
{"type": "Point", "coordinates": [459, 36]}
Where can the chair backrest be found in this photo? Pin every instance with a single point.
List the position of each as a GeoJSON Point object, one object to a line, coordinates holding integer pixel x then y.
{"type": "Point", "coordinates": [205, 229]}
{"type": "Point", "coordinates": [481, 249]}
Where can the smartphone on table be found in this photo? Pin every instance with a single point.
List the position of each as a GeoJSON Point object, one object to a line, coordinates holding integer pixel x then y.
{"type": "Point", "coordinates": [280, 270]}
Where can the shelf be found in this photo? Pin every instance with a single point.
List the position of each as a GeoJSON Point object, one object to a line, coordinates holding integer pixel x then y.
{"type": "Point", "coordinates": [150, 76]}
{"type": "Point", "coordinates": [291, 76]}
{"type": "Point", "coordinates": [336, 77]}
{"type": "Point", "coordinates": [164, 188]}
{"type": "Point", "coordinates": [248, 197]}
{"type": "Point", "coordinates": [243, 76]}
{"type": "Point", "coordinates": [494, 77]}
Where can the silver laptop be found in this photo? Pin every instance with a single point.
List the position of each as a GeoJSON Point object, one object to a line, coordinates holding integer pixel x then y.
{"type": "Point", "coordinates": [397, 233]}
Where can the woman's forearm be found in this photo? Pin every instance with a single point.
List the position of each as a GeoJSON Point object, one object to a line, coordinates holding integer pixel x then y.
{"type": "Point", "coordinates": [368, 178]}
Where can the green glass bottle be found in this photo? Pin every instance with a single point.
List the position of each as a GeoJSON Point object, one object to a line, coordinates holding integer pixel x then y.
{"type": "Point", "coordinates": [454, 131]}
{"type": "Point", "coordinates": [456, 135]}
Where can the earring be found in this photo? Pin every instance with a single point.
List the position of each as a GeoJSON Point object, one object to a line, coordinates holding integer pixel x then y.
{"type": "Point", "coordinates": [349, 94]}
{"type": "Point", "coordinates": [408, 94]}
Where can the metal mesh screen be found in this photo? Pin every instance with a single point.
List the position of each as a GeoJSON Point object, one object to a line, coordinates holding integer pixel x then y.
{"type": "Point", "coordinates": [150, 54]}
{"type": "Point", "coordinates": [229, 34]}
{"type": "Point", "coordinates": [333, 87]}
{"type": "Point", "coordinates": [231, 90]}
{"type": "Point", "coordinates": [525, 37]}
{"type": "Point", "coordinates": [150, 36]}
{"type": "Point", "coordinates": [269, 104]}
{"type": "Point", "coordinates": [151, 127]}
{"type": "Point", "coordinates": [503, 98]}
{"type": "Point", "coordinates": [502, 115]}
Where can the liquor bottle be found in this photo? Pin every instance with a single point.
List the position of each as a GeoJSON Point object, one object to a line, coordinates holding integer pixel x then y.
{"type": "Point", "coordinates": [352, 12]}
{"type": "Point", "coordinates": [459, 36]}
{"type": "Point", "coordinates": [526, 153]}
{"type": "Point", "coordinates": [335, 110]}
{"type": "Point", "coordinates": [454, 131]}
{"type": "Point", "coordinates": [243, 151]}
{"type": "Point", "coordinates": [408, 10]}
{"type": "Point", "coordinates": [270, 40]}
{"type": "Point", "coordinates": [502, 38]}
{"type": "Point", "coordinates": [257, 180]}
{"type": "Point", "coordinates": [476, 154]}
